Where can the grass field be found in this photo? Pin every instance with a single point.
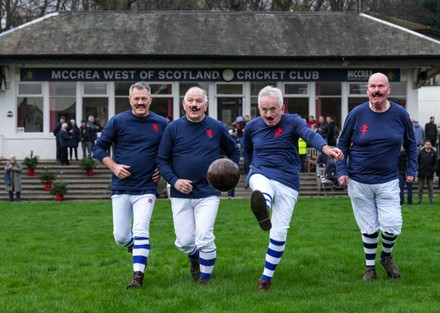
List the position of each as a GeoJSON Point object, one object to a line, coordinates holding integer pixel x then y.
{"type": "Point", "coordinates": [61, 257]}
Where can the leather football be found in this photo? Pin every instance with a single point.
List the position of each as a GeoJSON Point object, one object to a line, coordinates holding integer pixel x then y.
{"type": "Point", "coordinates": [223, 174]}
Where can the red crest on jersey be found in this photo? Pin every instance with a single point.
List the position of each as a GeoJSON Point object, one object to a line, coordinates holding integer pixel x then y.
{"type": "Point", "coordinates": [150, 200]}
{"type": "Point", "coordinates": [364, 129]}
{"type": "Point", "coordinates": [209, 133]}
{"type": "Point", "coordinates": [278, 132]}
{"type": "Point", "coordinates": [155, 128]}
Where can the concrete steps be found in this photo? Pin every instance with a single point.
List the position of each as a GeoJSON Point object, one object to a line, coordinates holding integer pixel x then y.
{"type": "Point", "coordinates": [82, 187]}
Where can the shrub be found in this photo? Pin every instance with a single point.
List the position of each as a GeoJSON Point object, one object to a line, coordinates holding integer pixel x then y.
{"type": "Point", "coordinates": [59, 188]}
{"type": "Point", "coordinates": [87, 164]}
{"type": "Point", "coordinates": [47, 177]}
{"type": "Point", "coordinates": [31, 161]}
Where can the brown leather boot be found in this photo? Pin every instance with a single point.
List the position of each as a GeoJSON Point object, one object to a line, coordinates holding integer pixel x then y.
{"type": "Point", "coordinates": [390, 267]}
{"type": "Point", "coordinates": [264, 285]}
{"type": "Point", "coordinates": [136, 280]}
{"type": "Point", "coordinates": [258, 206]}
{"type": "Point", "coordinates": [370, 274]}
{"type": "Point", "coordinates": [194, 268]}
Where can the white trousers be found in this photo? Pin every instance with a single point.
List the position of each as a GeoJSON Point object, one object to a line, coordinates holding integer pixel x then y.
{"type": "Point", "coordinates": [128, 208]}
{"type": "Point", "coordinates": [194, 223]}
{"type": "Point", "coordinates": [376, 206]}
{"type": "Point", "coordinates": [283, 203]}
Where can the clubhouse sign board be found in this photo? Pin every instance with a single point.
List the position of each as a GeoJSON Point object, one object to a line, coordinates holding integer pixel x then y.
{"type": "Point", "coordinates": [227, 74]}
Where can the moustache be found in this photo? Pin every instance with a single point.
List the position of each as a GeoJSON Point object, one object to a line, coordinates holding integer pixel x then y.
{"type": "Point", "coordinates": [194, 108]}
{"type": "Point", "coordinates": [140, 106]}
{"type": "Point", "coordinates": [270, 118]}
{"type": "Point", "coordinates": [377, 94]}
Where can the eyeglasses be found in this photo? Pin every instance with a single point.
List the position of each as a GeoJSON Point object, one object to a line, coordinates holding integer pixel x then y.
{"type": "Point", "coordinates": [198, 101]}
{"type": "Point", "coordinates": [137, 99]}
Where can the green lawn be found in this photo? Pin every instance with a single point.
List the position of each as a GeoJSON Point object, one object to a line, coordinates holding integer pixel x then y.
{"type": "Point", "coordinates": [61, 257]}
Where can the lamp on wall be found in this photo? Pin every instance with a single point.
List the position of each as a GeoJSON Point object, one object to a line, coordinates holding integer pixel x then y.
{"type": "Point", "coordinates": [423, 75]}
{"type": "Point", "coordinates": [10, 114]}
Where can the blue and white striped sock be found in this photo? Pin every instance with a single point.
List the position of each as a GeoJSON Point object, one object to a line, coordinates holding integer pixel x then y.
{"type": "Point", "coordinates": [370, 248]}
{"type": "Point", "coordinates": [273, 257]}
{"type": "Point", "coordinates": [141, 250]}
{"type": "Point", "coordinates": [207, 261]}
{"type": "Point", "coordinates": [268, 200]}
{"type": "Point", "coordinates": [388, 241]}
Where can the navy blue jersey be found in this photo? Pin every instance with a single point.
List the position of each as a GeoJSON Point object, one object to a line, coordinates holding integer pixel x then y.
{"type": "Point", "coordinates": [136, 141]}
{"type": "Point", "coordinates": [371, 144]}
{"type": "Point", "coordinates": [274, 150]}
{"type": "Point", "coordinates": [187, 150]}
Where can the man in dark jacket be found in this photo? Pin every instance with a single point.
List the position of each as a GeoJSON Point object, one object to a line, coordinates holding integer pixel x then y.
{"type": "Point", "coordinates": [73, 129]}
{"type": "Point", "coordinates": [431, 131]}
{"type": "Point", "coordinates": [64, 144]}
{"type": "Point", "coordinates": [56, 133]}
{"type": "Point", "coordinates": [94, 129]}
{"type": "Point", "coordinates": [427, 159]}
{"type": "Point", "coordinates": [85, 137]}
{"type": "Point", "coordinates": [332, 132]}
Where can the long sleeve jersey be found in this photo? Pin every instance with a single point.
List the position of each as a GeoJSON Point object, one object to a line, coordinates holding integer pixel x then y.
{"type": "Point", "coordinates": [187, 150]}
{"type": "Point", "coordinates": [371, 144]}
{"type": "Point", "coordinates": [274, 150]}
{"type": "Point", "coordinates": [135, 143]}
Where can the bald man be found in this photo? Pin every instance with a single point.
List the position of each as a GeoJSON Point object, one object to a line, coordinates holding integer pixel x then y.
{"type": "Point", "coordinates": [371, 139]}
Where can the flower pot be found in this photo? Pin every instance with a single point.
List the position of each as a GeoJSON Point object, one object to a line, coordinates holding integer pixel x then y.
{"type": "Point", "coordinates": [47, 186]}
{"type": "Point", "coordinates": [59, 197]}
{"type": "Point", "coordinates": [31, 172]}
{"type": "Point", "coordinates": [90, 172]}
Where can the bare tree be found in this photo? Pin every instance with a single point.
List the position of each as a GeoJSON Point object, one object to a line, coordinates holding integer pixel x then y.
{"type": "Point", "coordinates": [16, 12]}
{"type": "Point", "coordinates": [121, 5]}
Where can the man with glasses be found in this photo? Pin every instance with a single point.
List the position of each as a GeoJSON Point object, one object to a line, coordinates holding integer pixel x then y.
{"type": "Point", "coordinates": [371, 139]}
{"type": "Point", "coordinates": [135, 135]}
{"type": "Point", "coordinates": [188, 147]}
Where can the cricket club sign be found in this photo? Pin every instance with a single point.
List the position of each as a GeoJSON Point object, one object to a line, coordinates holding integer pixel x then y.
{"type": "Point", "coordinates": [210, 74]}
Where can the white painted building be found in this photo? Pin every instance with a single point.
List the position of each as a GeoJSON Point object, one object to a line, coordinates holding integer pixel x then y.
{"type": "Point", "coordinates": [429, 104]}
{"type": "Point", "coordinates": [82, 63]}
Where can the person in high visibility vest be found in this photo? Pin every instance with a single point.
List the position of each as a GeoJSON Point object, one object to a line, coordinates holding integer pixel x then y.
{"type": "Point", "coordinates": [302, 148]}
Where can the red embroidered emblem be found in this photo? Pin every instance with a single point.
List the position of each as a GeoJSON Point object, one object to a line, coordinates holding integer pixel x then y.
{"type": "Point", "coordinates": [155, 128]}
{"type": "Point", "coordinates": [150, 200]}
{"type": "Point", "coordinates": [209, 133]}
{"type": "Point", "coordinates": [278, 132]}
{"type": "Point", "coordinates": [364, 129]}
